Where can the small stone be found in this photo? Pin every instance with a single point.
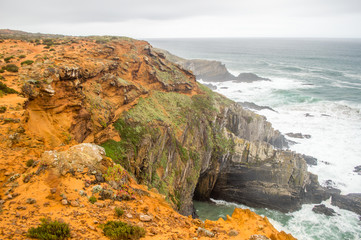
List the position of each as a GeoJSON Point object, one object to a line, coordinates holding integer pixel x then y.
{"type": "Point", "coordinates": [74, 203]}
{"type": "Point", "coordinates": [64, 202]}
{"type": "Point", "coordinates": [233, 233]}
{"type": "Point", "coordinates": [99, 204]}
{"type": "Point", "coordinates": [30, 201]}
{"type": "Point", "coordinates": [91, 227]}
{"type": "Point", "coordinates": [46, 204]}
{"type": "Point", "coordinates": [14, 177]}
{"type": "Point", "coordinates": [82, 193]}
{"type": "Point", "coordinates": [96, 222]}
{"type": "Point", "coordinates": [128, 215]}
{"type": "Point", "coordinates": [2, 202]}
{"type": "Point", "coordinates": [9, 196]}
{"type": "Point", "coordinates": [204, 232]}
{"type": "Point", "coordinates": [145, 218]}
{"type": "Point", "coordinates": [53, 190]}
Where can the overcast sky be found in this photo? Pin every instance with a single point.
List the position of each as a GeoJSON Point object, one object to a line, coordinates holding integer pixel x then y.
{"type": "Point", "coordinates": [186, 18]}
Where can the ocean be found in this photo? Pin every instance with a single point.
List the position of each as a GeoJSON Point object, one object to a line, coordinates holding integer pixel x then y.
{"type": "Point", "coordinates": [315, 89]}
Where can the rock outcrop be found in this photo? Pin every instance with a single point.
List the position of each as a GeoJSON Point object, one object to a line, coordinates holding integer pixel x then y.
{"type": "Point", "coordinates": [351, 202]}
{"type": "Point", "coordinates": [210, 71]}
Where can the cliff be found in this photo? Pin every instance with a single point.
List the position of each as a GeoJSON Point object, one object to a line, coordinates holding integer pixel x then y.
{"type": "Point", "coordinates": [210, 70]}
{"type": "Point", "coordinates": [169, 132]}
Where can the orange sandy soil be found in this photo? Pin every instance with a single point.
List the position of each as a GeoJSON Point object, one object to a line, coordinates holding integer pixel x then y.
{"type": "Point", "coordinates": [21, 141]}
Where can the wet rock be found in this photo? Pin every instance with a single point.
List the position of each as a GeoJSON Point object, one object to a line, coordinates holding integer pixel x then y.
{"type": "Point", "coordinates": [233, 233]}
{"type": "Point", "coordinates": [202, 232]}
{"type": "Point", "coordinates": [322, 209]}
{"type": "Point", "coordinates": [310, 160]}
{"type": "Point", "coordinates": [30, 201]}
{"type": "Point", "coordinates": [298, 135]}
{"type": "Point", "coordinates": [357, 170]}
{"type": "Point", "coordinates": [251, 105]}
{"type": "Point", "coordinates": [351, 202]}
{"type": "Point", "coordinates": [145, 218]}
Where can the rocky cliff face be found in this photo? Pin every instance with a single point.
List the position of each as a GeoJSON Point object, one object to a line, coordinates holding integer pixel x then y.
{"type": "Point", "coordinates": [153, 118]}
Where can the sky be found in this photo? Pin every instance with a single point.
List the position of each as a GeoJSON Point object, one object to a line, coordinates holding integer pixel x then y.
{"type": "Point", "coordinates": [186, 18]}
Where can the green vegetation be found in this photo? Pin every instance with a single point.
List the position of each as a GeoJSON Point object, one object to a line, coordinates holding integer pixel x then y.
{"type": "Point", "coordinates": [117, 230]}
{"type": "Point", "coordinates": [5, 89]}
{"type": "Point", "coordinates": [30, 163]}
{"type": "Point", "coordinates": [7, 59]}
{"type": "Point", "coordinates": [11, 68]}
{"type": "Point", "coordinates": [118, 211]}
{"type": "Point", "coordinates": [50, 230]}
{"type": "Point", "coordinates": [92, 199]}
{"type": "Point", "coordinates": [2, 109]}
{"type": "Point", "coordinates": [27, 62]}
{"type": "Point", "coordinates": [22, 56]}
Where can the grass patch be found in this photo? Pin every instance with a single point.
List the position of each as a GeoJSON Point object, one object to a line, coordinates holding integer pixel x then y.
{"type": "Point", "coordinates": [118, 230]}
{"type": "Point", "coordinates": [50, 230]}
{"type": "Point", "coordinates": [118, 212]}
{"type": "Point", "coordinates": [92, 199]}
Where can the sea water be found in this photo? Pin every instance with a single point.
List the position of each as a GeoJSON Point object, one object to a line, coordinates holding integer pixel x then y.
{"type": "Point", "coordinates": [315, 89]}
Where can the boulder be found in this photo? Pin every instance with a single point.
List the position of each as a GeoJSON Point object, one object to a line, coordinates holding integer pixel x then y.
{"type": "Point", "coordinates": [351, 202]}
{"type": "Point", "coordinates": [322, 209]}
{"type": "Point", "coordinates": [85, 155]}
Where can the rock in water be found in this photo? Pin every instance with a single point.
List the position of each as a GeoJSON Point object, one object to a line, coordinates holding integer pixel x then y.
{"type": "Point", "coordinates": [351, 202]}
{"type": "Point", "coordinates": [322, 209]}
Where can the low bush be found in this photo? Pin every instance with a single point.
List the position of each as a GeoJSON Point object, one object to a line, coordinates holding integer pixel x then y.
{"type": "Point", "coordinates": [27, 62]}
{"type": "Point", "coordinates": [118, 212]}
{"type": "Point", "coordinates": [118, 230]}
{"type": "Point", "coordinates": [11, 68]}
{"type": "Point", "coordinates": [92, 199]}
{"type": "Point", "coordinates": [30, 163]}
{"type": "Point", "coordinates": [50, 230]}
{"type": "Point", "coordinates": [22, 56]}
{"type": "Point", "coordinates": [5, 89]}
{"type": "Point", "coordinates": [7, 59]}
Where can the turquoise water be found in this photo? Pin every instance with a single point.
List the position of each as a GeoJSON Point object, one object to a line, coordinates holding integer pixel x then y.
{"type": "Point", "coordinates": [315, 89]}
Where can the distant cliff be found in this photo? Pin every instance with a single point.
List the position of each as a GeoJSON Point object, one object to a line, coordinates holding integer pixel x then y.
{"type": "Point", "coordinates": [210, 71]}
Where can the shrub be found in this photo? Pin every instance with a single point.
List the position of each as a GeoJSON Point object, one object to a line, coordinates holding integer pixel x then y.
{"type": "Point", "coordinates": [2, 109]}
{"type": "Point", "coordinates": [2, 70]}
{"type": "Point", "coordinates": [5, 89]}
{"type": "Point", "coordinates": [7, 60]}
{"type": "Point", "coordinates": [50, 230]}
{"type": "Point", "coordinates": [11, 68]}
{"type": "Point", "coordinates": [118, 230]}
{"type": "Point", "coordinates": [52, 49]}
{"type": "Point", "coordinates": [30, 163]}
{"type": "Point", "coordinates": [22, 56]}
{"type": "Point", "coordinates": [118, 212]}
{"type": "Point", "coordinates": [92, 199]}
{"type": "Point", "coordinates": [27, 62]}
